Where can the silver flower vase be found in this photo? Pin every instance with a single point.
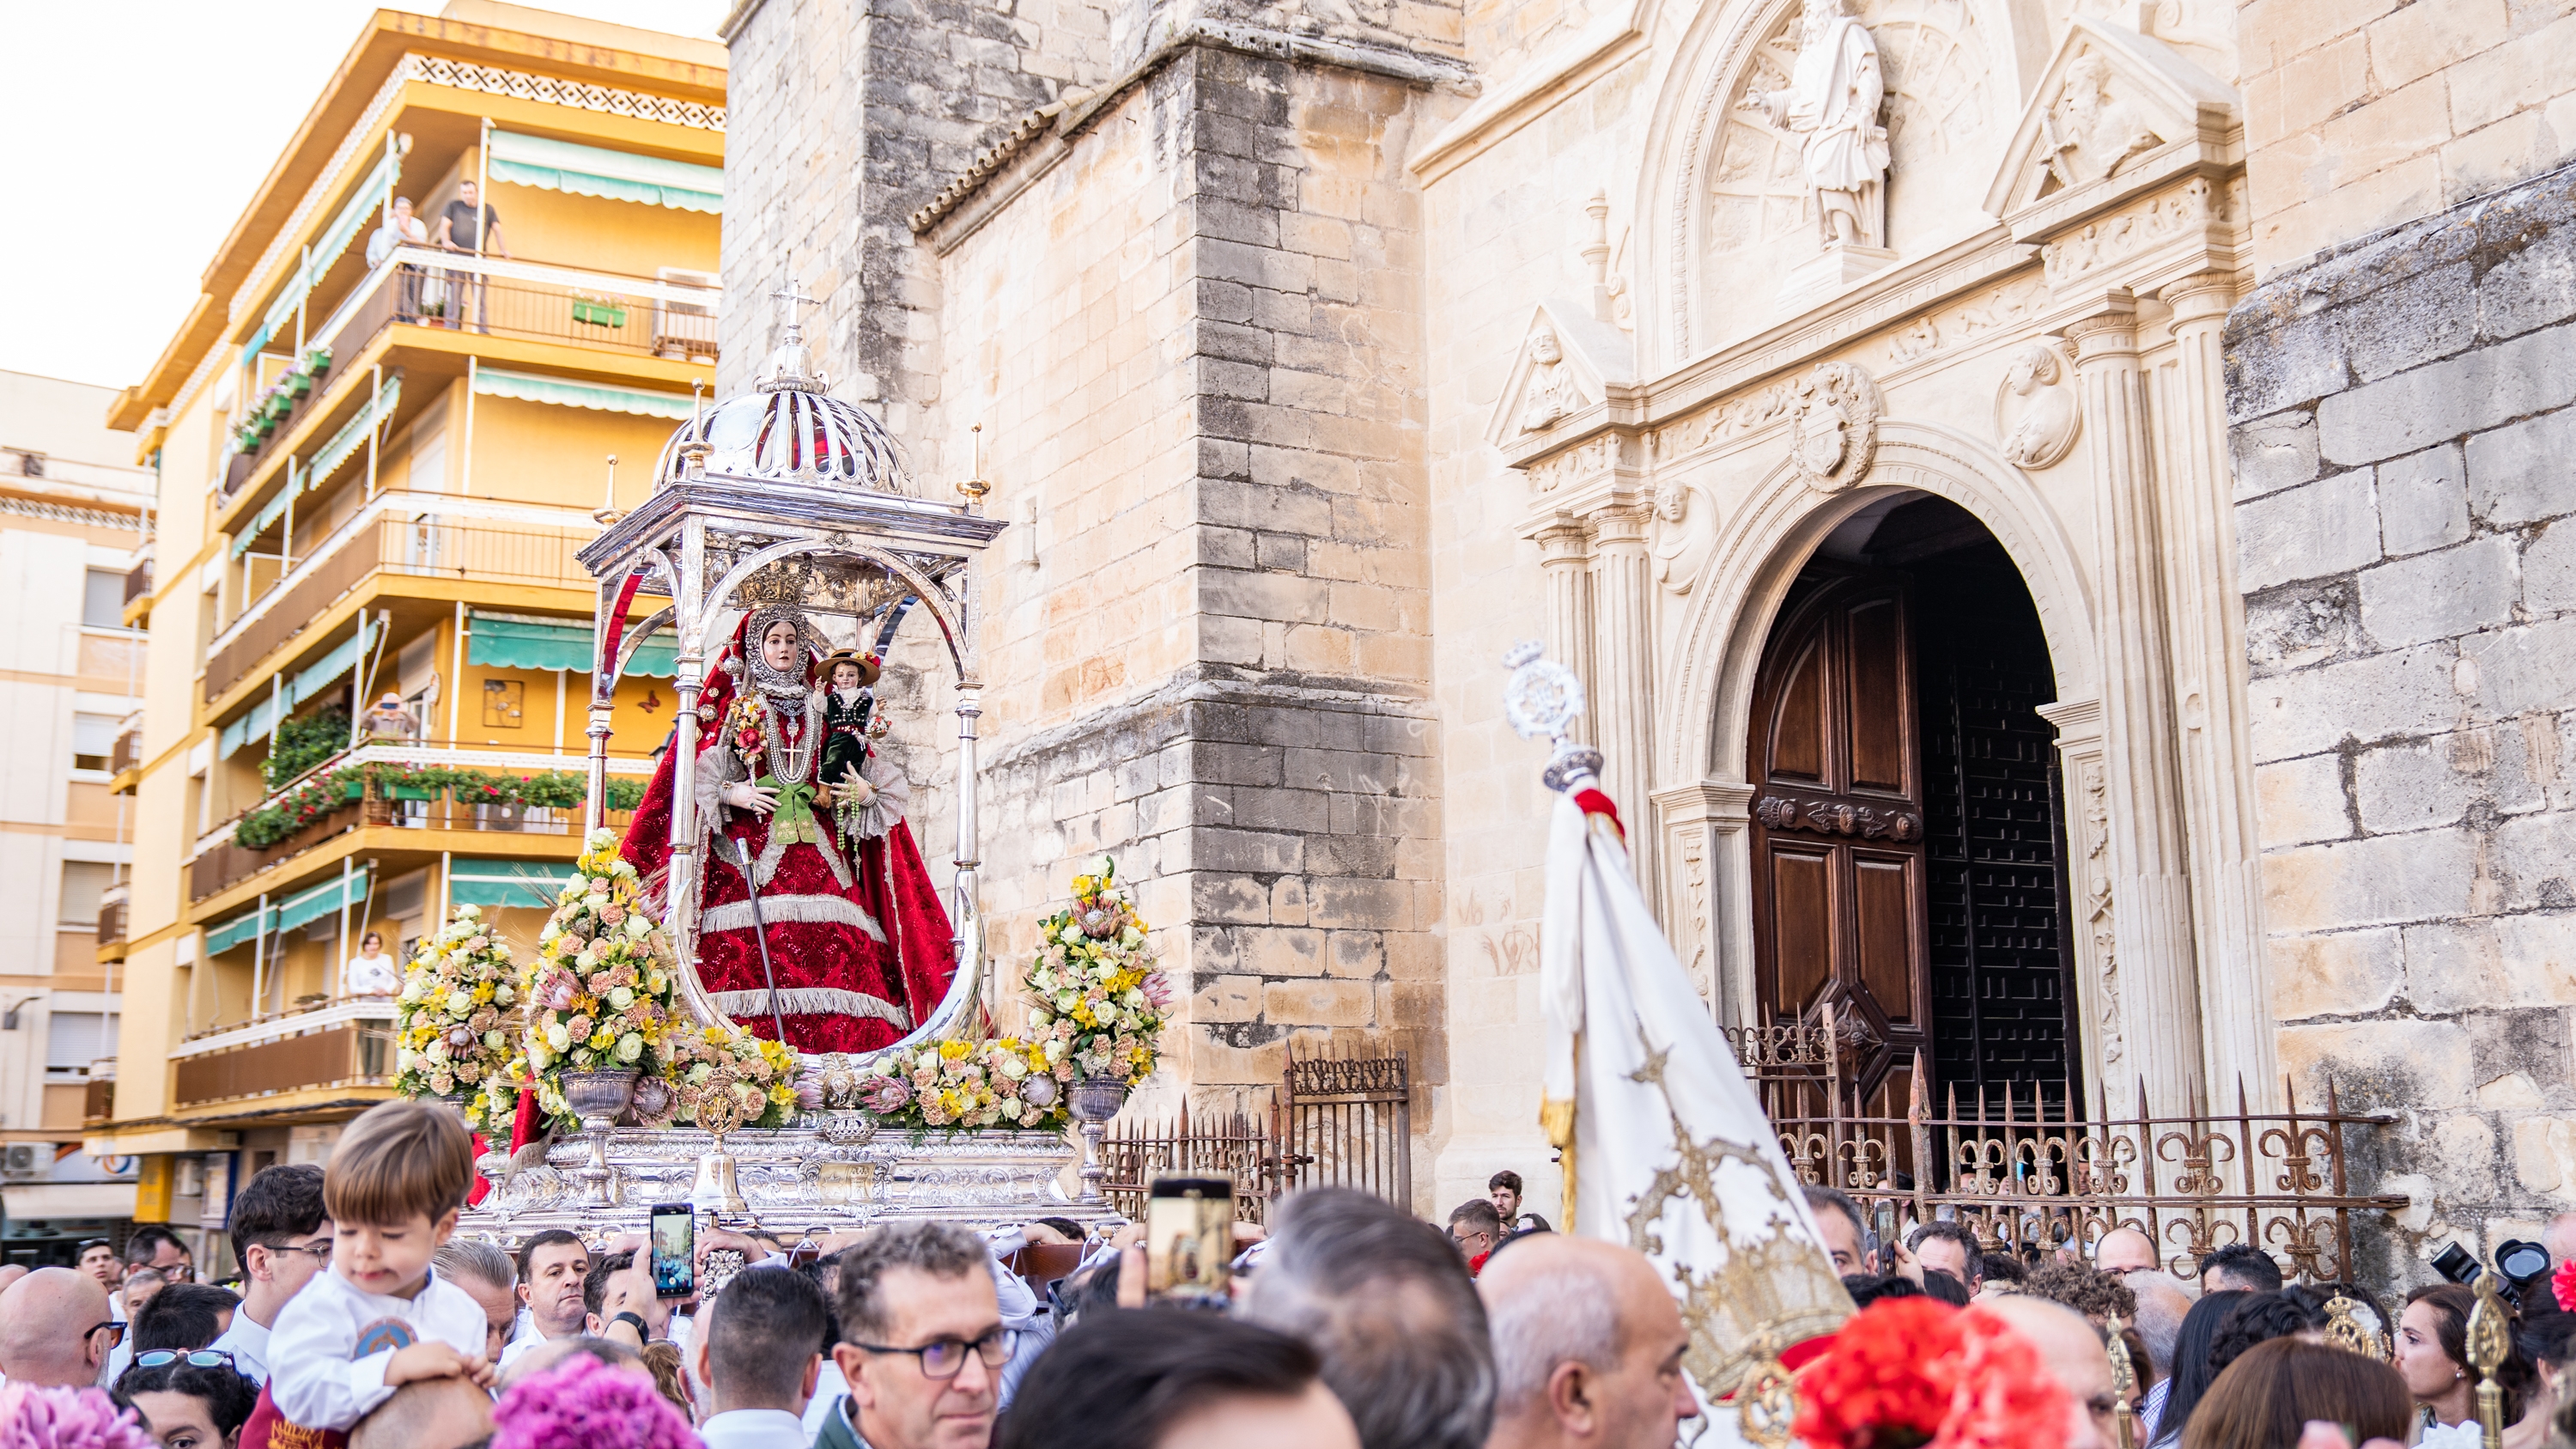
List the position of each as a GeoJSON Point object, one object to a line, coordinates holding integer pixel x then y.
{"type": "Point", "coordinates": [1093, 1101]}
{"type": "Point", "coordinates": [598, 1098]}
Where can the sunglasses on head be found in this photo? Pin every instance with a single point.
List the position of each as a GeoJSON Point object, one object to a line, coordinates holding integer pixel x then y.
{"type": "Point", "coordinates": [197, 1358]}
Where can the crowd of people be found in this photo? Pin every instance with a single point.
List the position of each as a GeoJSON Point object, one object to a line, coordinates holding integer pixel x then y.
{"type": "Point", "coordinates": [363, 1319]}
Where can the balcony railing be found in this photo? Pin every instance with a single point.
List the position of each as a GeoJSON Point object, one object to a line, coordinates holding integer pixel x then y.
{"type": "Point", "coordinates": [138, 581]}
{"type": "Point", "coordinates": [98, 1100]}
{"type": "Point", "coordinates": [345, 1044]}
{"type": "Point", "coordinates": [376, 541]}
{"type": "Point", "coordinates": [223, 862]}
{"type": "Point", "coordinates": [502, 298]}
{"type": "Point", "coordinates": [127, 753]}
{"type": "Point", "coordinates": [111, 923]}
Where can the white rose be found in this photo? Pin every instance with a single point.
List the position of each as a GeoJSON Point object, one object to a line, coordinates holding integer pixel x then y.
{"type": "Point", "coordinates": [460, 1002]}
{"type": "Point", "coordinates": [403, 1060]}
{"type": "Point", "coordinates": [621, 998]}
{"type": "Point", "coordinates": [1054, 1051]}
{"type": "Point", "coordinates": [1040, 1018]}
{"type": "Point", "coordinates": [1131, 938]}
{"type": "Point", "coordinates": [1070, 935]}
{"type": "Point", "coordinates": [1009, 1107]}
{"type": "Point", "coordinates": [1065, 1001]}
{"type": "Point", "coordinates": [557, 1037]}
{"type": "Point", "coordinates": [637, 928]}
{"type": "Point", "coordinates": [629, 1047]}
{"type": "Point", "coordinates": [1134, 1000]}
{"type": "Point", "coordinates": [539, 1058]}
{"type": "Point", "coordinates": [436, 1051]}
{"type": "Point", "coordinates": [492, 1040]}
{"type": "Point", "coordinates": [699, 1074]}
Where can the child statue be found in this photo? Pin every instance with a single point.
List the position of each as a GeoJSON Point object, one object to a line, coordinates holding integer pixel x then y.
{"type": "Point", "coordinates": [849, 705]}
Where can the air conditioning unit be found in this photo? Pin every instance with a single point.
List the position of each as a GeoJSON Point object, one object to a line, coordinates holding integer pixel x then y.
{"type": "Point", "coordinates": [23, 1160]}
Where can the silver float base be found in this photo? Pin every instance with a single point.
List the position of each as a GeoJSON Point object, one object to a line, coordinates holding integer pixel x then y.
{"type": "Point", "coordinates": [793, 1180]}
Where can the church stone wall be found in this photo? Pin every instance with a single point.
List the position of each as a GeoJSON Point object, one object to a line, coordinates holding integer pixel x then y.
{"type": "Point", "coordinates": [2403, 412]}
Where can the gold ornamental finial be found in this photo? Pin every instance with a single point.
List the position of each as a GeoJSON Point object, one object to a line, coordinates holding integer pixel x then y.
{"type": "Point", "coordinates": [2345, 1330]}
{"type": "Point", "coordinates": [2489, 1342]}
{"type": "Point", "coordinates": [975, 487]}
{"type": "Point", "coordinates": [2124, 1384]}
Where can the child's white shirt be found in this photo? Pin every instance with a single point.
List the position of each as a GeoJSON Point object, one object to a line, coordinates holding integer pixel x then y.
{"type": "Point", "coordinates": [315, 1379]}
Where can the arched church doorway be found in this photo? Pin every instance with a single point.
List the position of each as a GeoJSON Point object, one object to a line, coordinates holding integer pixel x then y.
{"type": "Point", "coordinates": [1909, 855]}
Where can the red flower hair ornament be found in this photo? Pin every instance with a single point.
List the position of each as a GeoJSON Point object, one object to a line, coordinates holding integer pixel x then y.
{"type": "Point", "coordinates": [1909, 1372]}
{"type": "Point", "coordinates": [2562, 1285]}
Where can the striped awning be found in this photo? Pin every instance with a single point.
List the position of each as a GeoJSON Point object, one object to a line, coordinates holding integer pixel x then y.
{"type": "Point", "coordinates": [343, 445]}
{"type": "Point", "coordinates": [553, 165]}
{"type": "Point", "coordinates": [562, 392]}
{"type": "Point", "coordinates": [302, 908]}
{"type": "Point", "coordinates": [518, 641]}
{"type": "Point", "coordinates": [305, 684]}
{"type": "Point", "coordinates": [352, 217]}
{"type": "Point", "coordinates": [529, 883]}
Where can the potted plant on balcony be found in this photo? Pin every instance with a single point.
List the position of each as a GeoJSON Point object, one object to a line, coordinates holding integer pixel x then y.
{"type": "Point", "coordinates": [598, 311]}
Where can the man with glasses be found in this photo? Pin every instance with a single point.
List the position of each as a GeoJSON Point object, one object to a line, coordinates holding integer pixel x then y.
{"type": "Point", "coordinates": [159, 1249]}
{"type": "Point", "coordinates": [922, 1342]}
{"type": "Point", "coordinates": [54, 1329]}
{"type": "Point", "coordinates": [282, 1236]}
{"type": "Point", "coordinates": [2123, 1251]}
{"type": "Point", "coordinates": [1477, 1229]}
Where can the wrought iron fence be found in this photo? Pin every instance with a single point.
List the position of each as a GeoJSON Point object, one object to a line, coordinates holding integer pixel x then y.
{"type": "Point", "coordinates": [1340, 1121]}
{"type": "Point", "coordinates": [2036, 1165]}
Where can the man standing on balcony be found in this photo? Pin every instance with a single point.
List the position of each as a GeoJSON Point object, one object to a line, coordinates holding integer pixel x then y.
{"type": "Point", "coordinates": [401, 228]}
{"type": "Point", "coordinates": [464, 223]}
{"type": "Point", "coordinates": [389, 722]}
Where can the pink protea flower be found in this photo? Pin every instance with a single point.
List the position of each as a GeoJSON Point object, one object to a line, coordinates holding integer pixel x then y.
{"type": "Point", "coordinates": [584, 1403]}
{"type": "Point", "coordinates": [1158, 990]}
{"type": "Point", "coordinates": [887, 1095]}
{"type": "Point", "coordinates": [34, 1418]}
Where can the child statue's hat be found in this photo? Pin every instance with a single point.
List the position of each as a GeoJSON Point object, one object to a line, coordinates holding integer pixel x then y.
{"type": "Point", "coordinates": [869, 667]}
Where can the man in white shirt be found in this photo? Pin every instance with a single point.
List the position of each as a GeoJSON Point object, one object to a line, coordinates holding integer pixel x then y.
{"type": "Point", "coordinates": [282, 1238]}
{"type": "Point", "coordinates": [759, 1356]}
{"type": "Point", "coordinates": [552, 1265]}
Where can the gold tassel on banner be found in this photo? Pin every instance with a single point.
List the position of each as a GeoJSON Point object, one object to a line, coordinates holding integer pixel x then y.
{"type": "Point", "coordinates": [2124, 1384]}
{"type": "Point", "coordinates": [2488, 1344]}
{"type": "Point", "coordinates": [1766, 1401]}
{"type": "Point", "coordinates": [1556, 1117]}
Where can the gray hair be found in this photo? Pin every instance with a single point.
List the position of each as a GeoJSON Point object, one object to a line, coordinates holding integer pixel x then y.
{"type": "Point", "coordinates": [1387, 1304]}
{"type": "Point", "coordinates": [937, 1250]}
{"type": "Point", "coordinates": [2163, 1301]}
{"type": "Point", "coordinates": [1568, 1314]}
{"type": "Point", "coordinates": [474, 1258]}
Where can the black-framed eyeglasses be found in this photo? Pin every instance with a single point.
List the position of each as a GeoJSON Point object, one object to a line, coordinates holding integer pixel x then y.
{"type": "Point", "coordinates": [197, 1358]}
{"type": "Point", "coordinates": [320, 1252]}
{"type": "Point", "coordinates": [114, 1330]}
{"type": "Point", "coordinates": [943, 1359]}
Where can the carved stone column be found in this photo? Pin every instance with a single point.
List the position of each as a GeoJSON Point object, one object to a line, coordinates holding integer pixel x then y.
{"type": "Point", "coordinates": [2090, 915]}
{"type": "Point", "coordinates": [1564, 559]}
{"type": "Point", "coordinates": [2205, 620]}
{"type": "Point", "coordinates": [2150, 872]}
{"type": "Point", "coordinates": [1622, 684]}
{"type": "Point", "coordinates": [1708, 891]}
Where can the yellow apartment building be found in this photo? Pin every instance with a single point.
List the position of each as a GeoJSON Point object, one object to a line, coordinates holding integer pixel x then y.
{"type": "Point", "coordinates": [73, 506]}
{"type": "Point", "coordinates": [378, 448]}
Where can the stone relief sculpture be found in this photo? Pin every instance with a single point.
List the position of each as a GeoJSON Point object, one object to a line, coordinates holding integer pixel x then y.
{"type": "Point", "coordinates": [1833, 428]}
{"type": "Point", "coordinates": [2036, 416]}
{"type": "Point", "coordinates": [1551, 394]}
{"type": "Point", "coordinates": [1685, 532]}
{"type": "Point", "coordinates": [1832, 103]}
{"type": "Point", "coordinates": [2090, 132]}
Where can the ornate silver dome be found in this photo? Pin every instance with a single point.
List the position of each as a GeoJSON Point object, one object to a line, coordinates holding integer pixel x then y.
{"type": "Point", "coordinates": [789, 429]}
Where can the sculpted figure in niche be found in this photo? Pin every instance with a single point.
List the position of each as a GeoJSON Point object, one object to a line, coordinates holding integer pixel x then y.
{"type": "Point", "coordinates": [1551, 394]}
{"type": "Point", "coordinates": [2091, 134]}
{"type": "Point", "coordinates": [2035, 415]}
{"type": "Point", "coordinates": [1685, 532]}
{"type": "Point", "coordinates": [1832, 103]}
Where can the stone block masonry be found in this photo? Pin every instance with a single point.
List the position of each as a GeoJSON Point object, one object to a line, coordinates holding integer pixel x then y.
{"type": "Point", "coordinates": [2404, 426]}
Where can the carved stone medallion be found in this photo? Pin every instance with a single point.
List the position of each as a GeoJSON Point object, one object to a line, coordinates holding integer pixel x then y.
{"type": "Point", "coordinates": [2036, 416]}
{"type": "Point", "coordinates": [1833, 428]}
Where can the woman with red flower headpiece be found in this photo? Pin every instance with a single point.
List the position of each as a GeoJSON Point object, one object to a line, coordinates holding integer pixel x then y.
{"type": "Point", "coordinates": [859, 944]}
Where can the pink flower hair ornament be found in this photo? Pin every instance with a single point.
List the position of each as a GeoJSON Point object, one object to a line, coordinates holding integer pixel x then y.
{"type": "Point", "coordinates": [34, 1418]}
{"type": "Point", "coordinates": [585, 1403]}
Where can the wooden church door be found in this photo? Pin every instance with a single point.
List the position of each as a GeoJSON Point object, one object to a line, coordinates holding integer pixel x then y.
{"type": "Point", "coordinates": [1839, 906]}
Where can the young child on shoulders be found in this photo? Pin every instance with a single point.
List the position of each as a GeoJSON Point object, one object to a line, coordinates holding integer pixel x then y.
{"type": "Point", "coordinates": [382, 1317]}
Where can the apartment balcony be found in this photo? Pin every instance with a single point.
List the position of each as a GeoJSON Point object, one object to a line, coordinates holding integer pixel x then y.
{"type": "Point", "coordinates": [98, 1098]}
{"type": "Point", "coordinates": [412, 545]}
{"type": "Point", "coordinates": [307, 1058]}
{"type": "Point", "coordinates": [125, 761]}
{"type": "Point", "coordinates": [436, 308]}
{"type": "Point", "coordinates": [111, 929]}
{"type": "Point", "coordinates": [395, 798]}
{"type": "Point", "coordinates": [138, 593]}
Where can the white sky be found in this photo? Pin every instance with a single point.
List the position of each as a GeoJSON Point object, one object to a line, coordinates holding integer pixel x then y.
{"type": "Point", "coordinates": [142, 128]}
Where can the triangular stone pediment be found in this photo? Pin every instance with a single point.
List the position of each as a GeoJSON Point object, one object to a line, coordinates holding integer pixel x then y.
{"type": "Point", "coordinates": [1569, 362]}
{"type": "Point", "coordinates": [2112, 105]}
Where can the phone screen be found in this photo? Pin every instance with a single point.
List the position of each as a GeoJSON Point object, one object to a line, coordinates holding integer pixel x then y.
{"type": "Point", "coordinates": [675, 1241]}
{"type": "Point", "coordinates": [1189, 1239]}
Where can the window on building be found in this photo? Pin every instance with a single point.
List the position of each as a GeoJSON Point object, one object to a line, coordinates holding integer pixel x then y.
{"type": "Point", "coordinates": [93, 740]}
{"type": "Point", "coordinates": [84, 881]}
{"type": "Point", "coordinates": [103, 599]}
{"type": "Point", "coordinates": [74, 1039]}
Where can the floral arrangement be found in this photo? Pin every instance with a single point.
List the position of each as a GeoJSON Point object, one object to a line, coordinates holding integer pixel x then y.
{"type": "Point", "coordinates": [599, 991]}
{"type": "Point", "coordinates": [1907, 1372]}
{"type": "Point", "coordinates": [1006, 1082]}
{"type": "Point", "coordinates": [1097, 1003]}
{"type": "Point", "coordinates": [63, 1418]}
{"type": "Point", "coordinates": [587, 1402]}
{"type": "Point", "coordinates": [452, 1023]}
{"type": "Point", "coordinates": [764, 1075]}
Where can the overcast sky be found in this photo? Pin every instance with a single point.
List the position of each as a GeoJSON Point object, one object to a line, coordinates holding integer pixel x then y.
{"type": "Point", "coordinates": [143, 126]}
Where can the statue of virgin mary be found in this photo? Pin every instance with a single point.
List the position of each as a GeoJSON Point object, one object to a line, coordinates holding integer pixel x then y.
{"type": "Point", "coordinates": [859, 945]}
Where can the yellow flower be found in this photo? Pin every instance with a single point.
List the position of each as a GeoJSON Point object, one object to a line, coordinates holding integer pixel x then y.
{"type": "Point", "coordinates": [600, 1040]}
{"type": "Point", "coordinates": [783, 1094]}
{"type": "Point", "coordinates": [954, 1051]}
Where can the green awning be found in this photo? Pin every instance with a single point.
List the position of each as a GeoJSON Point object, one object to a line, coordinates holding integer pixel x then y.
{"type": "Point", "coordinates": [517, 641]}
{"type": "Point", "coordinates": [313, 904]}
{"type": "Point", "coordinates": [348, 440]}
{"type": "Point", "coordinates": [237, 931]}
{"type": "Point", "coordinates": [529, 883]}
{"type": "Point", "coordinates": [301, 686]}
{"type": "Point", "coordinates": [596, 171]}
{"type": "Point", "coordinates": [600, 397]}
{"type": "Point", "coordinates": [335, 238]}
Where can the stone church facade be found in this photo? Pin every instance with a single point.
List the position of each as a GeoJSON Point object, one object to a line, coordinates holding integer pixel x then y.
{"type": "Point", "coordinates": [2052, 501]}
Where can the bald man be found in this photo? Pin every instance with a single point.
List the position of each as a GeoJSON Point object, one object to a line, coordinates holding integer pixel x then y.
{"type": "Point", "coordinates": [2123, 1251]}
{"type": "Point", "coordinates": [54, 1329]}
{"type": "Point", "coordinates": [1588, 1347]}
{"type": "Point", "coordinates": [11, 1274]}
{"type": "Point", "coordinates": [427, 1414]}
{"type": "Point", "coordinates": [2071, 1349]}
